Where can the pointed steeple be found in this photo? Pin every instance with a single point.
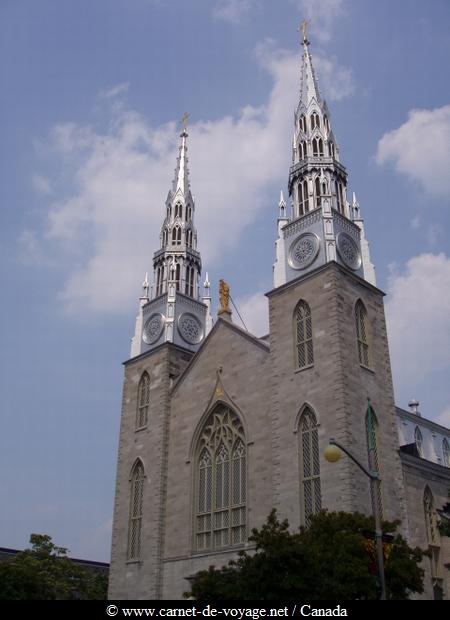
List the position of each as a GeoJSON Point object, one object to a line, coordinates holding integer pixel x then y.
{"type": "Point", "coordinates": [175, 312]}
{"type": "Point", "coordinates": [309, 87]}
{"type": "Point", "coordinates": [178, 261]}
{"type": "Point", "coordinates": [332, 229]}
{"type": "Point", "coordinates": [181, 180]}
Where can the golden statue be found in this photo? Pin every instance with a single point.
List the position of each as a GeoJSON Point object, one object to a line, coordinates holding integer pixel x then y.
{"type": "Point", "coordinates": [224, 295]}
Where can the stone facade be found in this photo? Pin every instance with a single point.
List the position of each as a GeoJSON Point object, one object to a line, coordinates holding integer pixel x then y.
{"type": "Point", "coordinates": [193, 506]}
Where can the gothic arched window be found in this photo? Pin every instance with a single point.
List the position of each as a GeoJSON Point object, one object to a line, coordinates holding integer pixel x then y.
{"type": "Point", "coordinates": [302, 149]}
{"type": "Point", "coordinates": [430, 516]}
{"type": "Point", "coordinates": [136, 506]}
{"type": "Point", "coordinates": [326, 123]}
{"type": "Point", "coordinates": [362, 334]}
{"type": "Point", "coordinates": [308, 437]}
{"type": "Point", "coordinates": [221, 482]}
{"type": "Point", "coordinates": [159, 280]}
{"type": "Point", "coordinates": [372, 453]}
{"type": "Point", "coordinates": [339, 197]}
{"type": "Point", "coordinates": [445, 453]}
{"type": "Point", "coordinates": [318, 192]}
{"type": "Point", "coordinates": [303, 201]}
{"type": "Point", "coordinates": [143, 401]}
{"type": "Point", "coordinates": [178, 210]}
{"type": "Point", "coordinates": [303, 335]}
{"type": "Point", "coordinates": [331, 151]}
{"type": "Point", "coordinates": [315, 121]}
{"type": "Point", "coordinates": [302, 123]}
{"type": "Point", "coordinates": [419, 441]}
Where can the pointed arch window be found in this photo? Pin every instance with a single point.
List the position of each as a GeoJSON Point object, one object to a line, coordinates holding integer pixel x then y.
{"type": "Point", "coordinates": [303, 335]}
{"type": "Point", "coordinates": [221, 487]}
{"type": "Point", "coordinates": [331, 151]}
{"type": "Point", "coordinates": [362, 334]}
{"type": "Point", "coordinates": [178, 210]}
{"type": "Point", "coordinates": [159, 280]}
{"type": "Point", "coordinates": [318, 192]}
{"type": "Point", "coordinates": [446, 453]}
{"type": "Point", "coordinates": [373, 458]}
{"type": "Point", "coordinates": [303, 200]}
{"type": "Point", "coordinates": [315, 120]}
{"type": "Point", "coordinates": [326, 123]}
{"type": "Point", "coordinates": [136, 510]}
{"type": "Point", "coordinates": [317, 147]}
{"type": "Point", "coordinates": [189, 284]}
{"type": "Point", "coordinates": [419, 441]}
{"type": "Point", "coordinates": [310, 493]}
{"type": "Point", "coordinates": [143, 402]}
{"type": "Point", "coordinates": [302, 149]}
{"type": "Point", "coordinates": [176, 236]}
{"type": "Point", "coordinates": [430, 516]}
{"type": "Point", "coordinates": [339, 197]}
{"type": "Point", "coordinates": [177, 277]}
{"type": "Point", "coordinates": [302, 123]}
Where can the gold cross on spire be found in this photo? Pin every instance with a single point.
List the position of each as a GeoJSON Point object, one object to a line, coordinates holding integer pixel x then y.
{"type": "Point", "coordinates": [184, 120]}
{"type": "Point", "coordinates": [303, 25]}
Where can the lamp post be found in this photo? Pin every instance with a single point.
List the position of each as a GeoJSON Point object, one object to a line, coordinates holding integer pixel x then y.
{"type": "Point", "coordinates": [333, 453]}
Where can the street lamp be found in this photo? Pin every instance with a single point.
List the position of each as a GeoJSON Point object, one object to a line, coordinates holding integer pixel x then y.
{"type": "Point", "coordinates": [333, 453]}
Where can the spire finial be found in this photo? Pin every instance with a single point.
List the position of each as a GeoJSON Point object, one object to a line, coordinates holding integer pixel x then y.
{"type": "Point", "coordinates": [184, 122]}
{"type": "Point", "coordinates": [303, 26]}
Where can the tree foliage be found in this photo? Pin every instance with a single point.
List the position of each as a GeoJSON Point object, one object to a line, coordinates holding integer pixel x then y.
{"type": "Point", "coordinates": [44, 572]}
{"type": "Point", "coordinates": [330, 560]}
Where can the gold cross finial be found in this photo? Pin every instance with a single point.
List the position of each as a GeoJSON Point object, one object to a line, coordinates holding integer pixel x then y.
{"type": "Point", "coordinates": [184, 120]}
{"type": "Point", "coordinates": [303, 25]}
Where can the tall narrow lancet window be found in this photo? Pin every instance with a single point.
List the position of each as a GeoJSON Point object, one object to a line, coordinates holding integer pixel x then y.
{"type": "Point", "coordinates": [303, 335]}
{"type": "Point", "coordinates": [362, 334]}
{"type": "Point", "coordinates": [221, 482]}
{"type": "Point", "coordinates": [419, 441]}
{"type": "Point", "coordinates": [315, 121]}
{"type": "Point", "coordinates": [302, 149]}
{"type": "Point", "coordinates": [339, 197]}
{"type": "Point", "coordinates": [373, 457]}
{"type": "Point", "coordinates": [433, 540]}
{"type": "Point", "coordinates": [143, 401]}
{"type": "Point", "coordinates": [331, 151]}
{"type": "Point", "coordinates": [303, 201]}
{"type": "Point", "coordinates": [318, 192]}
{"type": "Point", "coordinates": [136, 509]}
{"type": "Point", "coordinates": [178, 276]}
{"type": "Point", "coordinates": [445, 453]}
{"type": "Point", "coordinates": [310, 494]}
{"type": "Point", "coordinates": [302, 123]}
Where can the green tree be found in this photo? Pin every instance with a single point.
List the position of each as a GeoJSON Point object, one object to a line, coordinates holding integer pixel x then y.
{"type": "Point", "coordinates": [330, 560]}
{"type": "Point", "coordinates": [44, 572]}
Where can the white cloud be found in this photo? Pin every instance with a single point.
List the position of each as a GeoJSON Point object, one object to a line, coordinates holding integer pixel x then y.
{"type": "Point", "coordinates": [107, 224]}
{"type": "Point", "coordinates": [444, 417]}
{"type": "Point", "coordinates": [418, 319]}
{"type": "Point", "coordinates": [420, 149]}
{"type": "Point", "coordinates": [335, 82]}
{"type": "Point", "coordinates": [41, 184]}
{"type": "Point", "coordinates": [321, 15]}
{"type": "Point", "coordinates": [233, 11]}
{"type": "Point", "coordinates": [118, 89]}
{"type": "Point", "coordinates": [254, 309]}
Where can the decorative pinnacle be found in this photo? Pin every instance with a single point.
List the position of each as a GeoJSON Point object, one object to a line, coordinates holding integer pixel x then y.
{"type": "Point", "coordinates": [282, 202]}
{"type": "Point", "coordinates": [207, 283]}
{"type": "Point", "coordinates": [145, 287]}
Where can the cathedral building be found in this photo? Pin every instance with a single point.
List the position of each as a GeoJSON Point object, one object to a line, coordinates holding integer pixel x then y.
{"type": "Point", "coordinates": [219, 426]}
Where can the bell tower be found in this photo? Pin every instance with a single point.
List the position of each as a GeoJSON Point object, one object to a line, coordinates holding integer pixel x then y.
{"type": "Point", "coordinates": [323, 226]}
{"type": "Point", "coordinates": [173, 311]}
{"type": "Point", "coordinates": [328, 340]}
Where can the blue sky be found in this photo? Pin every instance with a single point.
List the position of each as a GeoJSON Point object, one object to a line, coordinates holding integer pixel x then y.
{"type": "Point", "coordinates": [91, 94]}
